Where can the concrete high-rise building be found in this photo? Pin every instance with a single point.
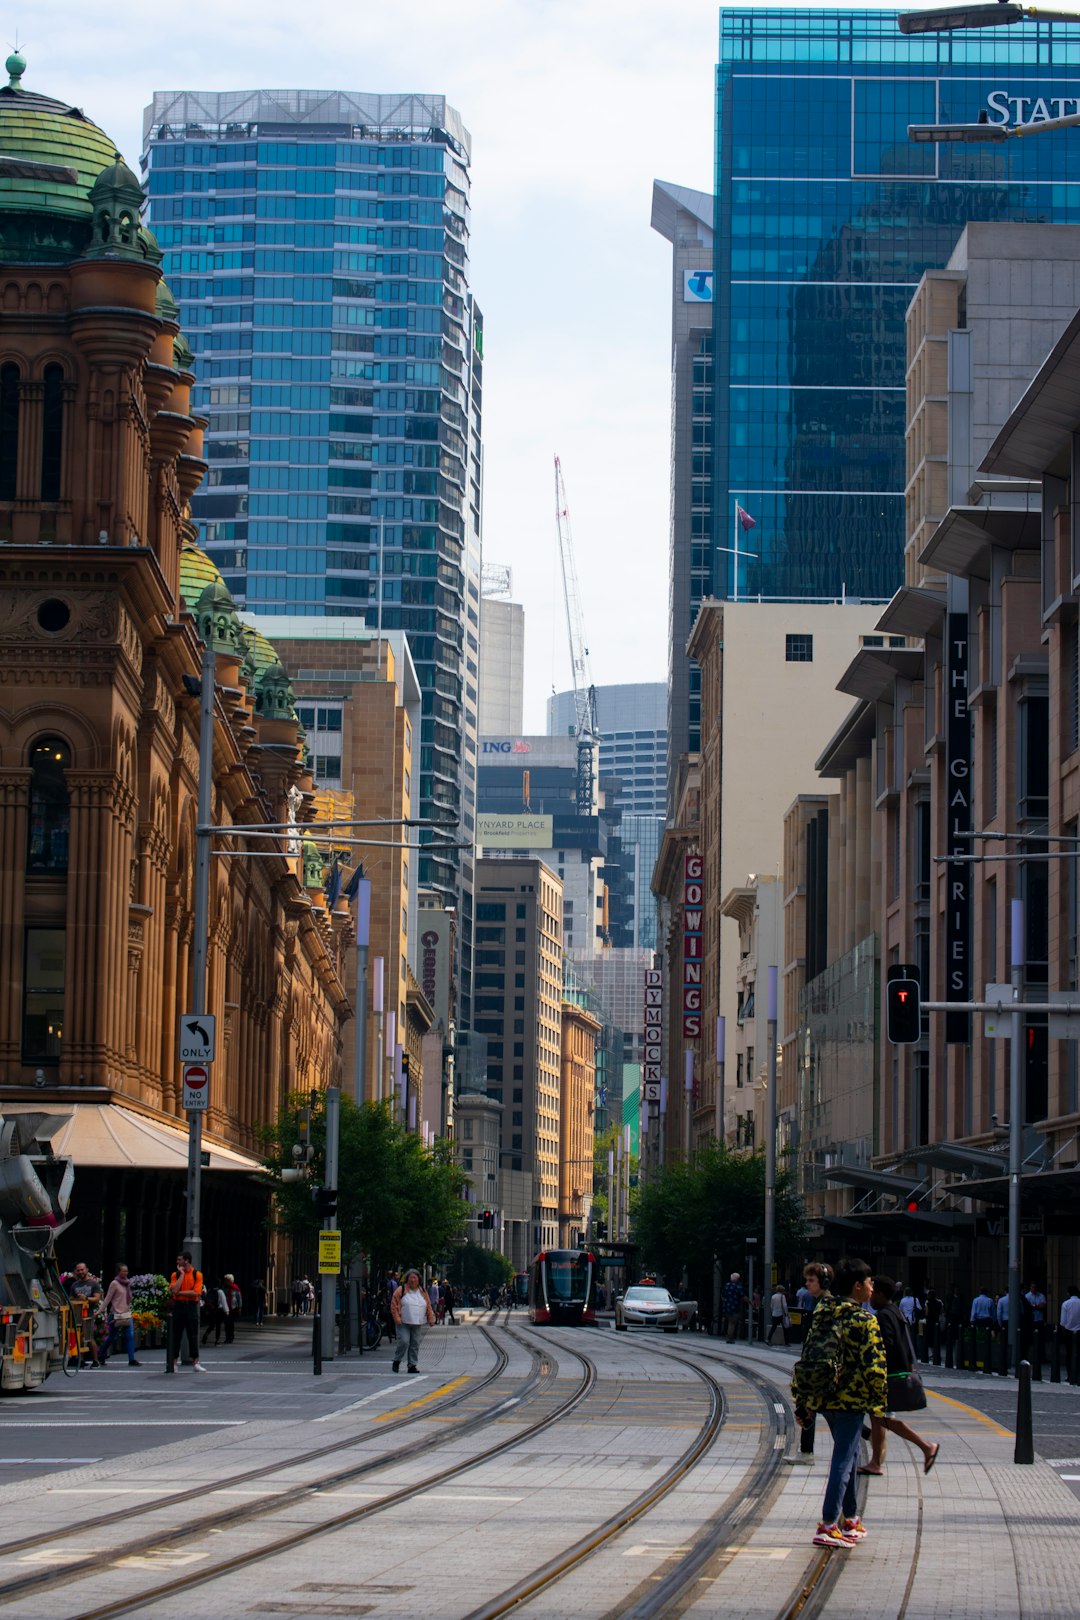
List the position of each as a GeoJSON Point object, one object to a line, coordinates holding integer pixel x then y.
{"type": "Point", "coordinates": [826, 217]}
{"type": "Point", "coordinates": [317, 243]}
{"type": "Point", "coordinates": [502, 657]}
{"type": "Point", "coordinates": [519, 1010]}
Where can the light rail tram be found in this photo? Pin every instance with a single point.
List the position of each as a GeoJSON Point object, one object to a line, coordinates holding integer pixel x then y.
{"type": "Point", "coordinates": [562, 1287]}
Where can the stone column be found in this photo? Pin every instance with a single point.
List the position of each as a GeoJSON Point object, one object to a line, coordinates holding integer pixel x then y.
{"type": "Point", "coordinates": [14, 812]}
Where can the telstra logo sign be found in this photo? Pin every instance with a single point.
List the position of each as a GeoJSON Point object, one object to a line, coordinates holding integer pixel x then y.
{"type": "Point", "coordinates": [1010, 109]}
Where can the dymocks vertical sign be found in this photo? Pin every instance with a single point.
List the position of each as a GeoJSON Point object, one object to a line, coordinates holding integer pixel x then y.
{"type": "Point", "coordinates": [693, 945]}
{"type": "Point", "coordinates": [958, 772]}
{"type": "Point", "coordinates": [654, 1034]}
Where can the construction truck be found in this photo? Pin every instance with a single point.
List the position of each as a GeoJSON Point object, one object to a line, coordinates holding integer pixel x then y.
{"type": "Point", "coordinates": [38, 1334]}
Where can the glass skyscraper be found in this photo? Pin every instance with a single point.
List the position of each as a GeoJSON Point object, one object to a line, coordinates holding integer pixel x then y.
{"type": "Point", "coordinates": [826, 216]}
{"type": "Point", "coordinates": [317, 243]}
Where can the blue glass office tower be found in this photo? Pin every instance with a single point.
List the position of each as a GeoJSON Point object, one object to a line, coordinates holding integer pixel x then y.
{"type": "Point", "coordinates": [317, 243]}
{"type": "Point", "coordinates": [825, 217]}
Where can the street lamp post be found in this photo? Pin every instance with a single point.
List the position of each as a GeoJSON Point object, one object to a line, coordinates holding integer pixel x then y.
{"type": "Point", "coordinates": [1016, 1128]}
{"type": "Point", "coordinates": [770, 1139]}
{"type": "Point", "coordinates": [363, 941]}
{"type": "Point", "coordinates": [201, 932]}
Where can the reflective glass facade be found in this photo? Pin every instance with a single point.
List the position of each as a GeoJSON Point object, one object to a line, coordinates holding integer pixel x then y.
{"type": "Point", "coordinates": [318, 246]}
{"type": "Point", "coordinates": [826, 216]}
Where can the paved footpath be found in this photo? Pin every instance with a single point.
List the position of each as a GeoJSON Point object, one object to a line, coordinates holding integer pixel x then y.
{"type": "Point", "coordinates": [979, 1536]}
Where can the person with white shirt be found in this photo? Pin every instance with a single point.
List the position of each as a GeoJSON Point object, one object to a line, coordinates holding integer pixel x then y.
{"type": "Point", "coordinates": [910, 1307]}
{"type": "Point", "coordinates": [1070, 1333]}
{"type": "Point", "coordinates": [410, 1308]}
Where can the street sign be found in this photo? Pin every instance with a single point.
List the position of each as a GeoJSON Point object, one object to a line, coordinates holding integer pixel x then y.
{"type": "Point", "coordinates": [196, 1087]}
{"type": "Point", "coordinates": [1064, 1026]}
{"type": "Point", "coordinates": [998, 1026]}
{"type": "Point", "coordinates": [927, 1250]}
{"type": "Point", "coordinates": [196, 1040]}
{"type": "Point", "coordinates": [329, 1254]}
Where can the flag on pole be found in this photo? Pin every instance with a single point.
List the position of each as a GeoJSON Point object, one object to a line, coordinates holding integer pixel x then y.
{"type": "Point", "coordinates": [333, 886]}
{"type": "Point", "coordinates": [354, 882]}
{"type": "Point", "coordinates": [744, 518]}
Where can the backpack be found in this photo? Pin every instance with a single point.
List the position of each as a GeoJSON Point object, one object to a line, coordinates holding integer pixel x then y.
{"type": "Point", "coordinates": [815, 1377]}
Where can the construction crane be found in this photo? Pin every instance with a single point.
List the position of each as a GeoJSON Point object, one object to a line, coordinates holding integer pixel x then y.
{"type": "Point", "coordinates": [586, 728]}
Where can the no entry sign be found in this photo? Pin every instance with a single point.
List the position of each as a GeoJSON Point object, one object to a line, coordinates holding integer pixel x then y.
{"type": "Point", "coordinates": [196, 1087]}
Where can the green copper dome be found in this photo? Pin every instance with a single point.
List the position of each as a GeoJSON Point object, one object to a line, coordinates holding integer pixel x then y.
{"type": "Point", "coordinates": [45, 216]}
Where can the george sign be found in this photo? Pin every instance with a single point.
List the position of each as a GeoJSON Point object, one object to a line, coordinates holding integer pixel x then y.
{"type": "Point", "coordinates": [515, 832]}
{"type": "Point", "coordinates": [929, 1250]}
{"type": "Point", "coordinates": [329, 1254]}
{"type": "Point", "coordinates": [196, 1040]}
{"type": "Point", "coordinates": [196, 1087]}
{"type": "Point", "coordinates": [693, 945]}
{"type": "Point", "coordinates": [697, 287]}
{"type": "Point", "coordinates": [958, 878]}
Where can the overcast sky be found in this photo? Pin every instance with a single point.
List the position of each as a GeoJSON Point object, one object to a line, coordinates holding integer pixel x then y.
{"type": "Point", "coordinates": [574, 107]}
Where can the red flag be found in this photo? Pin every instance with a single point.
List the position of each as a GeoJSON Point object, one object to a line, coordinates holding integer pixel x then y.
{"type": "Point", "coordinates": [745, 520]}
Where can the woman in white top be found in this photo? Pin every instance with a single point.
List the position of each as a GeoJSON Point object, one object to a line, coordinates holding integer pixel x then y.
{"type": "Point", "coordinates": [410, 1309]}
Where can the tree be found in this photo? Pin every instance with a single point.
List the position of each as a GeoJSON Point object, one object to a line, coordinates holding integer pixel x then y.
{"type": "Point", "coordinates": [473, 1267]}
{"type": "Point", "coordinates": [699, 1212]}
{"type": "Point", "coordinates": [399, 1202]}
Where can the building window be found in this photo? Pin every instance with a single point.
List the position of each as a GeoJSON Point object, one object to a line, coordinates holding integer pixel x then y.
{"type": "Point", "coordinates": [466, 1159]}
{"type": "Point", "coordinates": [43, 995]}
{"type": "Point", "coordinates": [1034, 772]}
{"type": "Point", "coordinates": [799, 649]}
{"type": "Point", "coordinates": [9, 430]}
{"type": "Point", "coordinates": [466, 1130]}
{"type": "Point", "coordinates": [52, 432]}
{"type": "Point", "coordinates": [50, 808]}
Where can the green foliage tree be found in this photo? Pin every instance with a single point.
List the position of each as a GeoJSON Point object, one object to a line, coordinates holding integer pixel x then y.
{"type": "Point", "coordinates": [703, 1210]}
{"type": "Point", "coordinates": [399, 1202]}
{"type": "Point", "coordinates": [473, 1267]}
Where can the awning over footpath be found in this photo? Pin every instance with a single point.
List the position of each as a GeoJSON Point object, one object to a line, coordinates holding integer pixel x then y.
{"type": "Point", "coordinates": [106, 1136]}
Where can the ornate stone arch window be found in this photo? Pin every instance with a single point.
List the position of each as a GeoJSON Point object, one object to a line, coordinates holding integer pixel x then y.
{"type": "Point", "coordinates": [50, 807]}
{"type": "Point", "coordinates": [9, 429]}
{"type": "Point", "coordinates": [52, 432]}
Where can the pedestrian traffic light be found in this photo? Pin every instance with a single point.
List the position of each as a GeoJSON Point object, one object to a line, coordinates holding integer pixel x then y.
{"type": "Point", "coordinates": [913, 1205]}
{"type": "Point", "coordinates": [903, 1019]}
{"type": "Point", "coordinates": [325, 1201]}
{"type": "Point", "coordinates": [487, 1219]}
{"type": "Point", "coordinates": [406, 1064]}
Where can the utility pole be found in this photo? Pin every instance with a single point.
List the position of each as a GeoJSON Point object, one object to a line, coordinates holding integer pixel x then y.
{"type": "Point", "coordinates": [688, 1097]}
{"type": "Point", "coordinates": [379, 998]}
{"type": "Point", "coordinates": [770, 1142]}
{"type": "Point", "coordinates": [363, 941]}
{"type": "Point", "coordinates": [201, 931]}
{"type": "Point", "coordinates": [328, 1285]}
{"type": "Point", "coordinates": [1016, 1129]}
{"type": "Point", "coordinates": [721, 1043]}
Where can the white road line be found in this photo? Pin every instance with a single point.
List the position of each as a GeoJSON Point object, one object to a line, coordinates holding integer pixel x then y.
{"type": "Point", "coordinates": [132, 1423]}
{"type": "Point", "coordinates": [44, 1462]}
{"type": "Point", "coordinates": [390, 1389]}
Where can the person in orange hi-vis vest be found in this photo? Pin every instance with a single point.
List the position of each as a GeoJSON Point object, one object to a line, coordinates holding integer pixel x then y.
{"type": "Point", "coordinates": [185, 1286]}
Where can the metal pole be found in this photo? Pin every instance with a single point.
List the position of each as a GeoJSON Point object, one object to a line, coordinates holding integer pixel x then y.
{"type": "Point", "coordinates": [378, 998]}
{"type": "Point", "coordinates": [328, 1285]}
{"type": "Point", "coordinates": [1016, 1128]}
{"type": "Point", "coordinates": [386, 1079]}
{"type": "Point", "coordinates": [201, 936]}
{"type": "Point", "coordinates": [612, 1231]}
{"type": "Point", "coordinates": [363, 940]}
{"type": "Point", "coordinates": [721, 1046]}
{"type": "Point", "coordinates": [767, 1281]}
{"type": "Point", "coordinates": [625, 1233]}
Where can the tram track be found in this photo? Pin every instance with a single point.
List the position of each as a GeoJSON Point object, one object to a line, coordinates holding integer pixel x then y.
{"type": "Point", "coordinates": [181, 1581]}
{"type": "Point", "coordinates": [81, 1565]}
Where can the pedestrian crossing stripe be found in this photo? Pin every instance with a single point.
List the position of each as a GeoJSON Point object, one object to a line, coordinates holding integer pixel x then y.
{"type": "Point", "coordinates": [424, 1400]}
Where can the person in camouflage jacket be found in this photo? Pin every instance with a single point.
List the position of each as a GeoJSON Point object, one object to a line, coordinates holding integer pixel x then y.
{"type": "Point", "coordinates": [842, 1375]}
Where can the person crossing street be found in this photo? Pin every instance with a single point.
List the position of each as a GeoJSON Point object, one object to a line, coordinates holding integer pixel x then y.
{"type": "Point", "coordinates": [410, 1308]}
{"type": "Point", "coordinates": [185, 1287]}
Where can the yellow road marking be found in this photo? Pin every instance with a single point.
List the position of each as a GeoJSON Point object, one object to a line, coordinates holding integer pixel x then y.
{"type": "Point", "coordinates": [961, 1406]}
{"type": "Point", "coordinates": [422, 1400]}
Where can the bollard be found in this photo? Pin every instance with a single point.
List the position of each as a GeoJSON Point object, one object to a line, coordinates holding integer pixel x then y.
{"type": "Point", "coordinates": [806, 1436]}
{"type": "Point", "coordinates": [169, 1368]}
{"type": "Point", "coordinates": [1055, 1357]}
{"type": "Point", "coordinates": [950, 1340]}
{"type": "Point", "coordinates": [316, 1344]}
{"type": "Point", "coordinates": [1037, 1353]}
{"type": "Point", "coordinates": [361, 1325]}
{"type": "Point", "coordinates": [1024, 1450]}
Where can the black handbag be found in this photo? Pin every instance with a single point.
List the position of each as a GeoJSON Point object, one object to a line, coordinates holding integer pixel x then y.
{"type": "Point", "coordinates": [905, 1390]}
{"type": "Point", "coordinates": [906, 1393]}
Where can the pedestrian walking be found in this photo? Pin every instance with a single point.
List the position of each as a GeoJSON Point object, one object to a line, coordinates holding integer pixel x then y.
{"type": "Point", "coordinates": [448, 1302]}
{"type": "Point", "coordinates": [1033, 1320]}
{"type": "Point", "coordinates": [841, 1374]}
{"type": "Point", "coordinates": [817, 1280]}
{"type": "Point", "coordinates": [84, 1292]}
{"type": "Point", "coordinates": [935, 1310]}
{"type": "Point", "coordinates": [215, 1312]}
{"type": "Point", "coordinates": [778, 1312]}
{"type": "Point", "coordinates": [258, 1294]}
{"type": "Point", "coordinates": [982, 1308]}
{"type": "Point", "coordinates": [911, 1307]}
{"type": "Point", "coordinates": [410, 1309]}
{"type": "Point", "coordinates": [299, 1296]}
{"type": "Point", "coordinates": [185, 1289]}
{"type": "Point", "coordinates": [121, 1319]}
{"type": "Point", "coordinates": [732, 1304]}
{"type": "Point", "coordinates": [899, 1365]}
{"type": "Point", "coordinates": [954, 1322]}
{"type": "Point", "coordinates": [234, 1299]}
{"type": "Point", "coordinates": [433, 1295]}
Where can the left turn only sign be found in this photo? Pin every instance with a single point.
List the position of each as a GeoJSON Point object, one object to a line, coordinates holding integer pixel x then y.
{"type": "Point", "coordinates": [196, 1087]}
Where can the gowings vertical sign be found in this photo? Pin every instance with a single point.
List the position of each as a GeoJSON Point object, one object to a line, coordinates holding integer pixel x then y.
{"type": "Point", "coordinates": [693, 940]}
{"type": "Point", "coordinates": [958, 775]}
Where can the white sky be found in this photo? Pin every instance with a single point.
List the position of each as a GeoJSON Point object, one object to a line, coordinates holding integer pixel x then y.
{"type": "Point", "coordinates": [574, 107]}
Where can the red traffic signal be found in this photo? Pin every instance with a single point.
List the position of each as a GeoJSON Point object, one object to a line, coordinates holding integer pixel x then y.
{"type": "Point", "coordinates": [913, 1206]}
{"type": "Point", "coordinates": [903, 1019]}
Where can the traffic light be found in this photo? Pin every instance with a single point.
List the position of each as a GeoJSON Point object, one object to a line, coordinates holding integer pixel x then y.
{"type": "Point", "coordinates": [325, 1201]}
{"type": "Point", "coordinates": [406, 1065]}
{"type": "Point", "coordinates": [487, 1219]}
{"type": "Point", "coordinates": [903, 1020]}
{"type": "Point", "coordinates": [913, 1206]}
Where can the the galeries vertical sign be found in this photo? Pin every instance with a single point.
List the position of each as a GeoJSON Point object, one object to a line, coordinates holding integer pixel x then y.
{"type": "Point", "coordinates": [693, 945]}
{"type": "Point", "coordinates": [958, 841]}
